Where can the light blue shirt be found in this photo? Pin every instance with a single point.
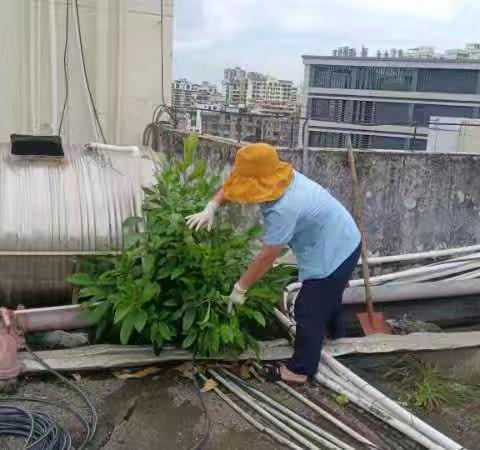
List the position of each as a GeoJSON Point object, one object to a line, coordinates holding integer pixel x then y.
{"type": "Point", "coordinates": [318, 228]}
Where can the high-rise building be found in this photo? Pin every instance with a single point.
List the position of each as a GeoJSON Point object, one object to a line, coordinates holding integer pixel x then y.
{"type": "Point", "coordinates": [235, 87]}
{"type": "Point", "coordinates": [206, 93]}
{"type": "Point", "coordinates": [385, 103]}
{"type": "Point", "coordinates": [182, 94]}
{"type": "Point", "coordinates": [187, 95]}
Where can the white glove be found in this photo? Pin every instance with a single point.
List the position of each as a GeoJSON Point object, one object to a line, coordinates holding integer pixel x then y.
{"type": "Point", "coordinates": [205, 217]}
{"type": "Point", "coordinates": [237, 297]}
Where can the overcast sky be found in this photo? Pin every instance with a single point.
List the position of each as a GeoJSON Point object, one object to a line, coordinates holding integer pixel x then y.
{"type": "Point", "coordinates": [271, 35]}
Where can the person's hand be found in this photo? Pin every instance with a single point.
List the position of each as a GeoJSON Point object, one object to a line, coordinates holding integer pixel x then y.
{"type": "Point", "coordinates": [237, 297]}
{"type": "Point", "coordinates": [205, 217]}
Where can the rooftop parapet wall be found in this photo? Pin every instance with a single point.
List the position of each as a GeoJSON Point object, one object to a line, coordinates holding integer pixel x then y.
{"type": "Point", "coordinates": [414, 201]}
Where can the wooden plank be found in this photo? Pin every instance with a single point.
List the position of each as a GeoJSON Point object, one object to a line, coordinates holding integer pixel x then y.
{"type": "Point", "coordinates": [101, 357]}
{"type": "Point", "coordinates": [383, 343]}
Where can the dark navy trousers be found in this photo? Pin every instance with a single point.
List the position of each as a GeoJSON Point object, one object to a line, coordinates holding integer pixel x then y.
{"type": "Point", "coordinates": [318, 310]}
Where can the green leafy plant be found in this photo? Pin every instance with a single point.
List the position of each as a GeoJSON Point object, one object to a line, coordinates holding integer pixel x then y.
{"type": "Point", "coordinates": [422, 384]}
{"type": "Point", "coordinates": [170, 283]}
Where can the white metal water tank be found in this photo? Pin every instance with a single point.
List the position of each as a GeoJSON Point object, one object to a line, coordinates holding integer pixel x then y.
{"type": "Point", "coordinates": [51, 210]}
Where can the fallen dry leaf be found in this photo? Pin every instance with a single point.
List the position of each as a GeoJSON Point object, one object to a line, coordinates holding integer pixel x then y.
{"type": "Point", "coordinates": [136, 374]}
{"type": "Point", "coordinates": [185, 370]}
{"type": "Point", "coordinates": [209, 385]}
{"type": "Point", "coordinates": [245, 371]}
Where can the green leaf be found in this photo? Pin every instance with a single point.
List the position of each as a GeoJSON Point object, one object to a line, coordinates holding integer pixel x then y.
{"type": "Point", "coordinates": [170, 302]}
{"type": "Point", "coordinates": [164, 331]}
{"type": "Point", "coordinates": [259, 318]}
{"type": "Point", "coordinates": [132, 221]}
{"type": "Point", "coordinates": [189, 146]}
{"type": "Point", "coordinates": [163, 272]}
{"type": "Point", "coordinates": [190, 339]}
{"type": "Point", "coordinates": [96, 313]}
{"type": "Point", "coordinates": [93, 291]}
{"type": "Point", "coordinates": [132, 240]}
{"type": "Point", "coordinates": [123, 311]}
{"type": "Point", "coordinates": [189, 318]}
{"type": "Point", "coordinates": [177, 272]}
{"type": "Point", "coordinates": [226, 334]}
{"type": "Point", "coordinates": [150, 291]}
{"type": "Point", "coordinates": [148, 265]}
{"type": "Point", "coordinates": [81, 279]}
{"type": "Point", "coordinates": [126, 329]}
{"type": "Point", "coordinates": [207, 315]}
{"type": "Point", "coordinates": [199, 169]}
{"type": "Point", "coordinates": [139, 320]}
{"type": "Point", "coordinates": [148, 191]}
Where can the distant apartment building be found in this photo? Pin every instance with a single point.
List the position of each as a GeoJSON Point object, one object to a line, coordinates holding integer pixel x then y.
{"type": "Point", "coordinates": [421, 52]}
{"type": "Point", "coordinates": [235, 87]}
{"type": "Point", "coordinates": [187, 95]}
{"type": "Point", "coordinates": [207, 93]}
{"type": "Point", "coordinates": [182, 91]}
{"type": "Point", "coordinates": [385, 103]}
{"type": "Point", "coordinates": [471, 51]}
{"type": "Point", "coordinates": [255, 90]}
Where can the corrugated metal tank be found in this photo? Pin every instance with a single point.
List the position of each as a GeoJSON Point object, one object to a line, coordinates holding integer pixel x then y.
{"type": "Point", "coordinates": [51, 210]}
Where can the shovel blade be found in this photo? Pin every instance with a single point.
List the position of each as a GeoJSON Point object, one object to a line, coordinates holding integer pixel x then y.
{"type": "Point", "coordinates": [373, 323]}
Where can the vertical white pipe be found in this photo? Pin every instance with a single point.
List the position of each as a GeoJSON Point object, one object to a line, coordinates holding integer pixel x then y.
{"type": "Point", "coordinates": [33, 103]}
{"type": "Point", "coordinates": [38, 68]}
{"type": "Point", "coordinates": [121, 34]}
{"type": "Point", "coordinates": [53, 66]}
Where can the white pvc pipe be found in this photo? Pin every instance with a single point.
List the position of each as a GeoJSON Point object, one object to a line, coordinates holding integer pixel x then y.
{"type": "Point", "coordinates": [406, 273]}
{"type": "Point", "coordinates": [53, 65]}
{"type": "Point", "coordinates": [367, 405]}
{"type": "Point", "coordinates": [324, 438]}
{"type": "Point", "coordinates": [390, 405]}
{"type": "Point", "coordinates": [420, 428]}
{"type": "Point", "coordinates": [254, 422]}
{"type": "Point", "coordinates": [254, 405]}
{"type": "Point", "coordinates": [113, 148]}
{"type": "Point", "coordinates": [32, 64]}
{"type": "Point", "coordinates": [422, 255]}
{"type": "Point", "coordinates": [326, 415]}
{"type": "Point", "coordinates": [445, 272]}
{"type": "Point", "coordinates": [302, 428]}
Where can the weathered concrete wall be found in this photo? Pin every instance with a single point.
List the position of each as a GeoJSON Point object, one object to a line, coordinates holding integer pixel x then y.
{"type": "Point", "coordinates": [414, 201]}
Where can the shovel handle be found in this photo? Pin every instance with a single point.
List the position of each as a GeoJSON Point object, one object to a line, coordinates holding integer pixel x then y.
{"type": "Point", "coordinates": [358, 212]}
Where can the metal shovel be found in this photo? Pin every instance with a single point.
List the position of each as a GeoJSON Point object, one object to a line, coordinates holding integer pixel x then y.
{"type": "Point", "coordinates": [371, 322]}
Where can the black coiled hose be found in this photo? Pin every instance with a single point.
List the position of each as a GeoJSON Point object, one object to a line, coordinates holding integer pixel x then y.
{"type": "Point", "coordinates": [41, 430]}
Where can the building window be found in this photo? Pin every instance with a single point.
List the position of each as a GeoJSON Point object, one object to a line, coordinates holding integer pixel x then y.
{"type": "Point", "coordinates": [372, 78]}
{"type": "Point", "coordinates": [455, 81]}
{"type": "Point", "coordinates": [423, 112]}
{"type": "Point", "coordinates": [363, 141]}
{"type": "Point", "coordinates": [389, 143]}
{"type": "Point", "coordinates": [357, 111]}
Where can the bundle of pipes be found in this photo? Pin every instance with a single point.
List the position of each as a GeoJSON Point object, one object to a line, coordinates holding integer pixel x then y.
{"type": "Point", "coordinates": [340, 379]}
{"type": "Point", "coordinates": [280, 422]}
{"type": "Point", "coordinates": [457, 276]}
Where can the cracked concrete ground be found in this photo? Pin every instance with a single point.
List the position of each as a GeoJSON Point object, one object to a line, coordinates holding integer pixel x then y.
{"type": "Point", "coordinates": [164, 412]}
{"type": "Point", "coordinates": [146, 414]}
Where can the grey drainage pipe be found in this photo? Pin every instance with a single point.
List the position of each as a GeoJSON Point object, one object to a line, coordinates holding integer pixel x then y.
{"type": "Point", "coordinates": [254, 422]}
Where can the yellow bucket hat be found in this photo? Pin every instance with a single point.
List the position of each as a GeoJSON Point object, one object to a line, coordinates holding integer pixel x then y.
{"type": "Point", "coordinates": [258, 175]}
